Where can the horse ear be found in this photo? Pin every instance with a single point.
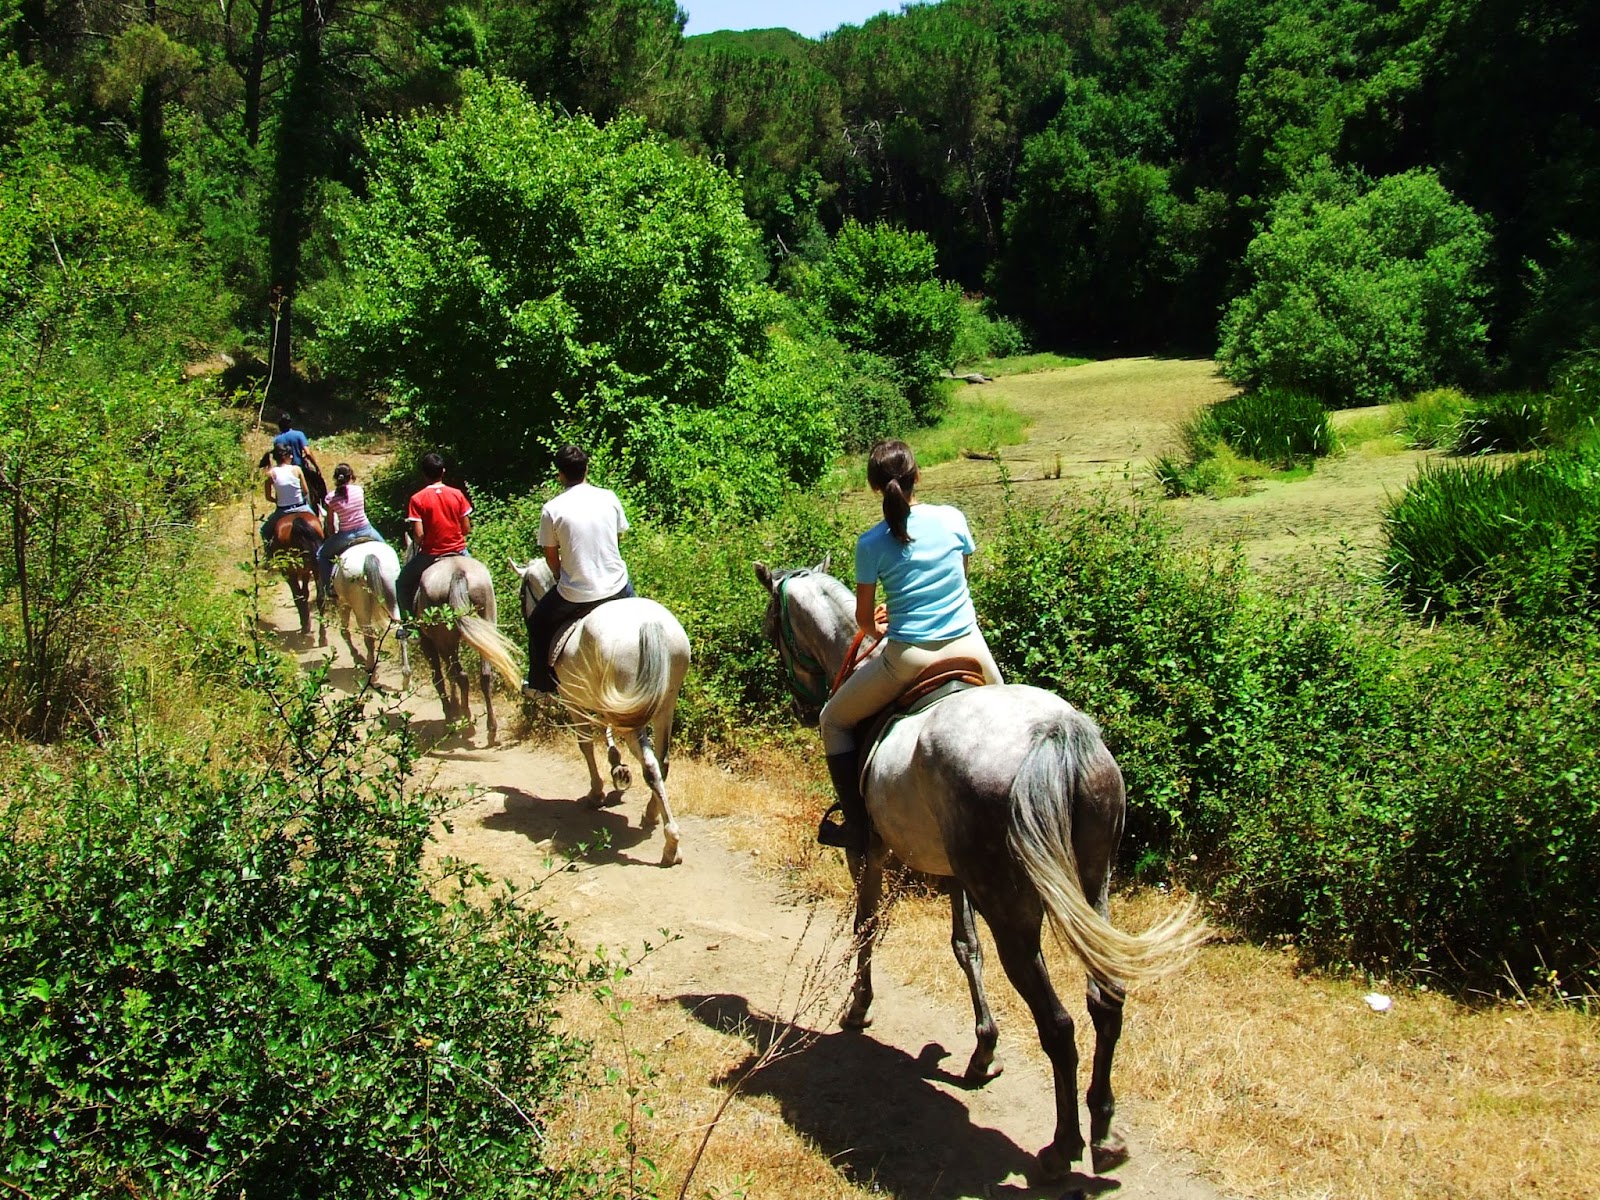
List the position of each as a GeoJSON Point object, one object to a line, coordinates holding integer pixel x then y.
{"type": "Point", "coordinates": [826, 564]}
{"type": "Point", "coordinates": [764, 575]}
{"type": "Point", "coordinates": [516, 566]}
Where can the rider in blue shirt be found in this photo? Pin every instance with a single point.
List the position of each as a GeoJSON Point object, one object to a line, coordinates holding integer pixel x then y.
{"type": "Point", "coordinates": [918, 552]}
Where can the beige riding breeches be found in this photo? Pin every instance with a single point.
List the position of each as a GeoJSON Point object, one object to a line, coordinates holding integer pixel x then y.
{"type": "Point", "coordinates": [884, 676]}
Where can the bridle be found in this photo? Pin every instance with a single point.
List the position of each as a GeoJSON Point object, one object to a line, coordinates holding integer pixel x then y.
{"type": "Point", "coordinates": [815, 691]}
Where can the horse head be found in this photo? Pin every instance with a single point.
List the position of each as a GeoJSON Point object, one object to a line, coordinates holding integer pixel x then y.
{"type": "Point", "coordinates": [537, 579]}
{"type": "Point", "coordinates": [810, 620]}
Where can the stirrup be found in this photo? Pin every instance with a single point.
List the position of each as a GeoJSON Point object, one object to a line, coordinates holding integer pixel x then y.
{"type": "Point", "coordinates": [841, 835]}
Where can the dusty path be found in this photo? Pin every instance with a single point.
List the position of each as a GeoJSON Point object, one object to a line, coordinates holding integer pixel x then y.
{"type": "Point", "coordinates": [884, 1110]}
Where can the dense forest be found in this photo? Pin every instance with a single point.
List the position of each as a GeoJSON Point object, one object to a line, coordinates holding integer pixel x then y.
{"type": "Point", "coordinates": [724, 263]}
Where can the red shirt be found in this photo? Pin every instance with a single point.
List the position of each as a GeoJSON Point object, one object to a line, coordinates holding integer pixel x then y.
{"type": "Point", "coordinates": [441, 509]}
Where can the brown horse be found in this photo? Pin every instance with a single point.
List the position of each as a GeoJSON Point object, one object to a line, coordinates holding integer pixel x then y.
{"type": "Point", "coordinates": [296, 538]}
{"type": "Point", "coordinates": [463, 586]}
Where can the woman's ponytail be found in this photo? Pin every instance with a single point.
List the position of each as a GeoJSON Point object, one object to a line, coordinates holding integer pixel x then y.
{"type": "Point", "coordinates": [892, 470]}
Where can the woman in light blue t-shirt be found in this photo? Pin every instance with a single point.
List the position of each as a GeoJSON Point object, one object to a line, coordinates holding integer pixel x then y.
{"type": "Point", "coordinates": [918, 552]}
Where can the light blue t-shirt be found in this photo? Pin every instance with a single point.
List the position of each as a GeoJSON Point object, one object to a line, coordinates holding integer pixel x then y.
{"type": "Point", "coordinates": [926, 579]}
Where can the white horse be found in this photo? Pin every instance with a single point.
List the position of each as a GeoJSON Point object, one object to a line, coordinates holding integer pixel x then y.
{"type": "Point", "coordinates": [461, 590]}
{"type": "Point", "coordinates": [619, 673]}
{"type": "Point", "coordinates": [364, 578]}
{"type": "Point", "coordinates": [1008, 792]}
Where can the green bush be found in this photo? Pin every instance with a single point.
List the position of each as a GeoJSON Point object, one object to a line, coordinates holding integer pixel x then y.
{"type": "Point", "coordinates": [1522, 541]}
{"type": "Point", "coordinates": [244, 979]}
{"type": "Point", "coordinates": [982, 333]}
{"type": "Point", "coordinates": [877, 293]}
{"type": "Point", "coordinates": [1270, 425]}
{"type": "Point", "coordinates": [1358, 293]}
{"type": "Point", "coordinates": [1431, 420]}
{"type": "Point", "coordinates": [1423, 808]}
{"type": "Point", "coordinates": [1503, 421]}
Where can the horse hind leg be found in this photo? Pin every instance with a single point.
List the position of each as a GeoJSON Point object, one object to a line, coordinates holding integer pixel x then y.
{"type": "Point", "coordinates": [621, 777]}
{"type": "Point", "coordinates": [1016, 924]}
{"type": "Point", "coordinates": [1107, 1149]}
{"type": "Point", "coordinates": [486, 683]}
{"type": "Point", "coordinates": [642, 745]}
{"type": "Point", "coordinates": [969, 953]}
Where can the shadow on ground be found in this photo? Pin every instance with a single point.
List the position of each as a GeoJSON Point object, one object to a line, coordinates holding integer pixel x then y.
{"type": "Point", "coordinates": [874, 1111]}
{"type": "Point", "coordinates": [571, 827]}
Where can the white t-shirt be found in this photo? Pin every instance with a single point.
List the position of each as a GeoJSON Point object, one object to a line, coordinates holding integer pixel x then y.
{"type": "Point", "coordinates": [584, 523]}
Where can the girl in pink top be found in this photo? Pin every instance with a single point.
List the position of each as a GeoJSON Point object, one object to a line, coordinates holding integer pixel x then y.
{"type": "Point", "coordinates": [347, 514]}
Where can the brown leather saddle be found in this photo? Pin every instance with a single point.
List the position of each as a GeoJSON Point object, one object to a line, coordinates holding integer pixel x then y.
{"type": "Point", "coordinates": [940, 680]}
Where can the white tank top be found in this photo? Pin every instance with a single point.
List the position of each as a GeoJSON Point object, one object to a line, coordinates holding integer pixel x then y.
{"type": "Point", "coordinates": [286, 487]}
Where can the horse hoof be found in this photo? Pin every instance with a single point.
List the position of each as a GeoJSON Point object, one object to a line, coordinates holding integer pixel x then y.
{"type": "Point", "coordinates": [621, 778]}
{"type": "Point", "coordinates": [978, 1074]}
{"type": "Point", "coordinates": [1054, 1164]}
{"type": "Point", "coordinates": [1108, 1154]}
{"type": "Point", "coordinates": [852, 1020]}
{"type": "Point", "coordinates": [595, 799]}
{"type": "Point", "coordinates": [672, 857]}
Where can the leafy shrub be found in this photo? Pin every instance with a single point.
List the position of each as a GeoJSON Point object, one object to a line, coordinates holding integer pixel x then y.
{"type": "Point", "coordinates": [242, 978]}
{"type": "Point", "coordinates": [983, 333]}
{"type": "Point", "coordinates": [1403, 808]}
{"type": "Point", "coordinates": [1269, 425]}
{"type": "Point", "coordinates": [1503, 421]}
{"type": "Point", "coordinates": [877, 292]}
{"type": "Point", "coordinates": [1573, 413]}
{"type": "Point", "coordinates": [1356, 293]}
{"type": "Point", "coordinates": [1431, 420]}
{"type": "Point", "coordinates": [1470, 539]}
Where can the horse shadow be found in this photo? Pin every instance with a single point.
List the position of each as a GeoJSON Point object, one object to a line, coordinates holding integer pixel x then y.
{"type": "Point", "coordinates": [571, 827]}
{"type": "Point", "coordinates": [873, 1111]}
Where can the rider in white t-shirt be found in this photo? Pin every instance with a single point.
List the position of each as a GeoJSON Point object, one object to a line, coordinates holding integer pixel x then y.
{"type": "Point", "coordinates": [579, 531]}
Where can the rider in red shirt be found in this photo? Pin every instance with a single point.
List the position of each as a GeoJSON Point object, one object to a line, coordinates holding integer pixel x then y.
{"type": "Point", "coordinates": [438, 519]}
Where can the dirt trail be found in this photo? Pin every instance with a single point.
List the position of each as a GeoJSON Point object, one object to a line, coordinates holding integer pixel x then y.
{"type": "Point", "coordinates": [887, 1106]}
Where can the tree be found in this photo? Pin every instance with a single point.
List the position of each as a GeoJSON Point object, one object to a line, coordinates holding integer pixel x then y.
{"type": "Point", "coordinates": [877, 293]}
{"type": "Point", "coordinates": [1359, 292]}
{"type": "Point", "coordinates": [514, 278]}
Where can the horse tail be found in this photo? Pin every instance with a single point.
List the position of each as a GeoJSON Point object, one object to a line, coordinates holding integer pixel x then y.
{"type": "Point", "coordinates": [592, 688]}
{"type": "Point", "coordinates": [381, 586]}
{"type": "Point", "coordinates": [493, 647]}
{"type": "Point", "coordinates": [1060, 763]}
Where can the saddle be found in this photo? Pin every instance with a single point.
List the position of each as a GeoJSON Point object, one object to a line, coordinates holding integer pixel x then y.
{"type": "Point", "coordinates": [939, 681]}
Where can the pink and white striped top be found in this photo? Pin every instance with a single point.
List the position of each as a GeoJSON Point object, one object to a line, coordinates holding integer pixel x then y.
{"type": "Point", "coordinates": [350, 512]}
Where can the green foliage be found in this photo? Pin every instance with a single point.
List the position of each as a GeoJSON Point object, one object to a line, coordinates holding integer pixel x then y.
{"type": "Point", "coordinates": [103, 455]}
{"type": "Point", "coordinates": [1426, 808]}
{"type": "Point", "coordinates": [1523, 540]}
{"type": "Point", "coordinates": [1358, 294]}
{"type": "Point", "coordinates": [984, 334]}
{"type": "Point", "coordinates": [1270, 425]}
{"type": "Point", "coordinates": [515, 279]}
{"type": "Point", "coordinates": [1432, 419]}
{"type": "Point", "coordinates": [878, 294]}
{"type": "Point", "coordinates": [245, 978]}
{"type": "Point", "coordinates": [1502, 421]}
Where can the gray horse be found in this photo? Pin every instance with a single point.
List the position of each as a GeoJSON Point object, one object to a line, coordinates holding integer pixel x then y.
{"type": "Point", "coordinates": [464, 587]}
{"type": "Point", "coordinates": [1008, 792]}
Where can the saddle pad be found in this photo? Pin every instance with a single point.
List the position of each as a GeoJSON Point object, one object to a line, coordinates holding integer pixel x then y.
{"type": "Point", "coordinates": [938, 682]}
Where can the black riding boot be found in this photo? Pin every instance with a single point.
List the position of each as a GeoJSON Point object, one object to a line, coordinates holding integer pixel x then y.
{"type": "Point", "coordinates": [851, 832]}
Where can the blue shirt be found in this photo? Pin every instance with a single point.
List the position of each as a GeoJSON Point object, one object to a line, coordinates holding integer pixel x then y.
{"type": "Point", "coordinates": [296, 441]}
{"type": "Point", "coordinates": [926, 579]}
